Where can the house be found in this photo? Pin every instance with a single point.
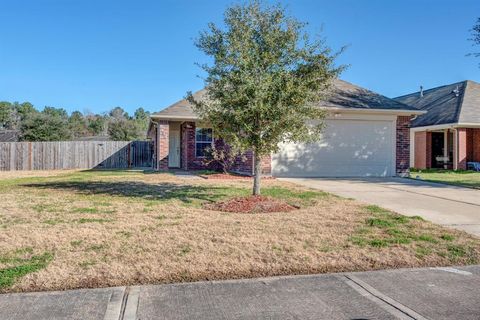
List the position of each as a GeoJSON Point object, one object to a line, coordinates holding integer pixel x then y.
{"type": "Point", "coordinates": [366, 134]}
{"type": "Point", "coordinates": [448, 135]}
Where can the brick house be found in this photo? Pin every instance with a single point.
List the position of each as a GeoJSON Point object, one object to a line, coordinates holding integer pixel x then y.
{"type": "Point", "coordinates": [366, 134]}
{"type": "Point", "coordinates": [448, 135]}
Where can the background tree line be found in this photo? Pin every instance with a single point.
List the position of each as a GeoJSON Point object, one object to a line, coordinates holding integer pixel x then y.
{"type": "Point", "coordinates": [55, 124]}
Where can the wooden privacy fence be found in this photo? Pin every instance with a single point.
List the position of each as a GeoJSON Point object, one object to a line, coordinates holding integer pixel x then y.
{"type": "Point", "coordinates": [75, 155]}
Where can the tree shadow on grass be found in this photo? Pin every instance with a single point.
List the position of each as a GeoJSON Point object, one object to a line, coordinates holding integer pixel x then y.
{"type": "Point", "coordinates": [159, 192]}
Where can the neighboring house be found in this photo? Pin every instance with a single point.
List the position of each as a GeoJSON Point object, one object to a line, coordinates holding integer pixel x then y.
{"type": "Point", "coordinates": [9, 135]}
{"type": "Point", "coordinates": [366, 134]}
{"type": "Point", "coordinates": [448, 135]}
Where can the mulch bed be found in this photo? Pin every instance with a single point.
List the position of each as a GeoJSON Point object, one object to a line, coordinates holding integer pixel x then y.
{"type": "Point", "coordinates": [228, 176]}
{"type": "Point", "coordinates": [251, 204]}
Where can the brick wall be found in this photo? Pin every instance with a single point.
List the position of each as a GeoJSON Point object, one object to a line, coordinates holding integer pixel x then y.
{"type": "Point", "coordinates": [473, 145]}
{"type": "Point", "coordinates": [462, 148]}
{"type": "Point", "coordinates": [403, 145]}
{"type": "Point", "coordinates": [162, 145]}
{"type": "Point", "coordinates": [189, 161]}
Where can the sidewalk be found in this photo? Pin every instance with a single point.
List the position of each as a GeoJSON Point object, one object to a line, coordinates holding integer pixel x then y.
{"type": "Point", "coordinates": [428, 293]}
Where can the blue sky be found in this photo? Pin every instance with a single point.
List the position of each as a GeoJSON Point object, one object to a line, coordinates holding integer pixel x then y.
{"type": "Point", "coordinates": [94, 55]}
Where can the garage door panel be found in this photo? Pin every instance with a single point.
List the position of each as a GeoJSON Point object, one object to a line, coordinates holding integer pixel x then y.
{"type": "Point", "coordinates": [347, 148]}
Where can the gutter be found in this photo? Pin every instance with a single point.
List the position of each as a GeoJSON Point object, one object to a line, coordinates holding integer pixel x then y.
{"type": "Point", "coordinates": [376, 111]}
{"type": "Point", "coordinates": [335, 110]}
{"type": "Point", "coordinates": [446, 126]}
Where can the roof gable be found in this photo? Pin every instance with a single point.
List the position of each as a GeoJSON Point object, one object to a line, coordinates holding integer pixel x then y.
{"type": "Point", "coordinates": [454, 103]}
{"type": "Point", "coordinates": [470, 109]}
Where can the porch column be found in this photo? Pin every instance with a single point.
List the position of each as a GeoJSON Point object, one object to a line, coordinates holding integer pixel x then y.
{"type": "Point", "coordinates": [162, 145]}
{"type": "Point", "coordinates": [460, 149]}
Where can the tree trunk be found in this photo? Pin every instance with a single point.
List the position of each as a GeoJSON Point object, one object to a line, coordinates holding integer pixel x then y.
{"type": "Point", "coordinates": [257, 173]}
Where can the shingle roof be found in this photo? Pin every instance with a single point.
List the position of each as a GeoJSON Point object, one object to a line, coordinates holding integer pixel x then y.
{"type": "Point", "coordinates": [344, 96]}
{"type": "Point", "coordinates": [454, 103]}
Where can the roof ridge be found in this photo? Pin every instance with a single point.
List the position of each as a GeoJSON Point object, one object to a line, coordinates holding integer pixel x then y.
{"type": "Point", "coordinates": [378, 94]}
{"type": "Point", "coordinates": [460, 101]}
{"type": "Point", "coordinates": [430, 89]}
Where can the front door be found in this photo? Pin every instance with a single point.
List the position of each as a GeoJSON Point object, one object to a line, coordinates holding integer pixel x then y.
{"type": "Point", "coordinates": [437, 149]}
{"type": "Point", "coordinates": [174, 149]}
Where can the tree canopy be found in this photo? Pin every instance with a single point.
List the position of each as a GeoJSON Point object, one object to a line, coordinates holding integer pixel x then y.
{"type": "Point", "coordinates": [266, 80]}
{"type": "Point", "coordinates": [55, 124]}
{"type": "Point", "coordinates": [476, 36]}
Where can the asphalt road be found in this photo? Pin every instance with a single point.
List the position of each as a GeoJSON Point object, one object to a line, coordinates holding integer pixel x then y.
{"type": "Point", "coordinates": [430, 293]}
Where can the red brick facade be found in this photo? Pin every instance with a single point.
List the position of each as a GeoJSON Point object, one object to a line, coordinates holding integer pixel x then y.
{"type": "Point", "coordinates": [466, 148]}
{"type": "Point", "coordinates": [403, 145]}
{"type": "Point", "coordinates": [188, 159]}
{"type": "Point", "coordinates": [473, 145]}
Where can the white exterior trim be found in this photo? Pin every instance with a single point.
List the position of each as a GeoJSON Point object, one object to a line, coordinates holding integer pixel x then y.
{"type": "Point", "coordinates": [331, 110]}
{"type": "Point", "coordinates": [376, 111]}
{"type": "Point", "coordinates": [446, 126]}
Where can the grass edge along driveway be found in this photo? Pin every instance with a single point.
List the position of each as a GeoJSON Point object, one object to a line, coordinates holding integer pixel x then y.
{"type": "Point", "coordinates": [462, 178]}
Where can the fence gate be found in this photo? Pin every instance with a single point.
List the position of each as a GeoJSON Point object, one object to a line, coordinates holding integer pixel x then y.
{"type": "Point", "coordinates": [140, 154]}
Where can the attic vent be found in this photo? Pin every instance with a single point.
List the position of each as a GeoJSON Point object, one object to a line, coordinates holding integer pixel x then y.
{"type": "Point", "coordinates": [456, 91]}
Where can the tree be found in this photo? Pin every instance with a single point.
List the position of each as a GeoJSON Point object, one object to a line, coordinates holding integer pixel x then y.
{"type": "Point", "coordinates": [118, 113]}
{"type": "Point", "coordinates": [78, 125]}
{"type": "Point", "coordinates": [48, 125]}
{"type": "Point", "coordinates": [96, 124]}
{"type": "Point", "coordinates": [476, 36]}
{"type": "Point", "coordinates": [265, 81]}
{"type": "Point", "coordinates": [124, 130]}
{"type": "Point", "coordinates": [6, 115]}
{"type": "Point", "coordinates": [142, 118]}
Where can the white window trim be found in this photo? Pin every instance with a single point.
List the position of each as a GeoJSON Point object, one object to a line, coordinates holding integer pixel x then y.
{"type": "Point", "coordinates": [211, 142]}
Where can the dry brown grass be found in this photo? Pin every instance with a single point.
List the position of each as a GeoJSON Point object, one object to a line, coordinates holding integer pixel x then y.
{"type": "Point", "coordinates": [110, 229]}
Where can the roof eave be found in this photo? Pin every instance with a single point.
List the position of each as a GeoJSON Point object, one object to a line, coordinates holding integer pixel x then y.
{"type": "Point", "coordinates": [446, 126]}
{"type": "Point", "coordinates": [376, 111]}
{"type": "Point", "coordinates": [173, 118]}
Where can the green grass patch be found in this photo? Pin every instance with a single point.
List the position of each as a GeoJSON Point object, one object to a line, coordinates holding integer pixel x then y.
{"type": "Point", "coordinates": [377, 222]}
{"type": "Point", "coordinates": [86, 210]}
{"type": "Point", "coordinates": [9, 275]}
{"type": "Point", "coordinates": [456, 251]}
{"type": "Point", "coordinates": [464, 178]}
{"type": "Point", "coordinates": [53, 222]}
{"type": "Point", "coordinates": [93, 220]}
{"type": "Point", "coordinates": [384, 229]}
{"type": "Point", "coordinates": [76, 243]}
{"type": "Point", "coordinates": [447, 237]}
{"type": "Point", "coordinates": [86, 264]}
{"type": "Point", "coordinates": [376, 209]}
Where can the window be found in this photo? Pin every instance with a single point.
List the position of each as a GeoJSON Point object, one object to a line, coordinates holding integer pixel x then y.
{"type": "Point", "coordinates": [203, 140]}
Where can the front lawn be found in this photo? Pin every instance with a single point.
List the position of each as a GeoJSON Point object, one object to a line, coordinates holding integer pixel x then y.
{"type": "Point", "coordinates": [62, 230]}
{"type": "Point", "coordinates": [469, 179]}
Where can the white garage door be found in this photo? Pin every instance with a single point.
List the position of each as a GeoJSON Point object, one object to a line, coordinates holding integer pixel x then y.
{"type": "Point", "coordinates": [348, 148]}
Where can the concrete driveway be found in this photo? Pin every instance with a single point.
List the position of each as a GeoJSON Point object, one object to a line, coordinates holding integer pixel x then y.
{"type": "Point", "coordinates": [447, 205]}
